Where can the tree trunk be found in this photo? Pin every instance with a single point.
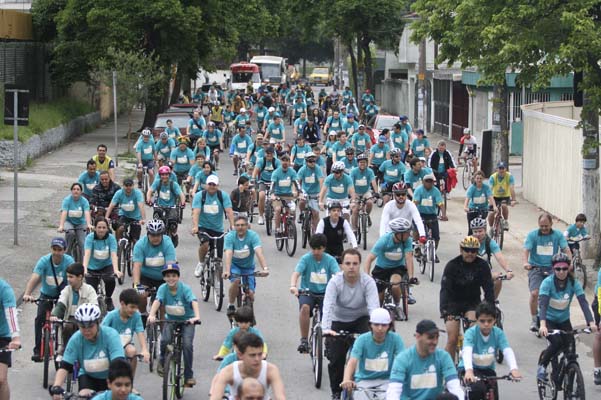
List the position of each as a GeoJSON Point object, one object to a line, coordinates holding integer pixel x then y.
{"type": "Point", "coordinates": [304, 67]}
{"type": "Point", "coordinates": [369, 78]}
{"type": "Point", "coordinates": [156, 103]}
{"type": "Point", "coordinates": [349, 47]}
{"type": "Point", "coordinates": [177, 87]}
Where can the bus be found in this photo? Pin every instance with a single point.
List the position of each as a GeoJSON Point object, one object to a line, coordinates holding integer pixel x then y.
{"type": "Point", "coordinates": [273, 68]}
{"type": "Point", "coordinates": [243, 72]}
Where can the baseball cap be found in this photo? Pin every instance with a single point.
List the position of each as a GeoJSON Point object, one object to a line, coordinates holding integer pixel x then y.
{"type": "Point", "coordinates": [501, 164]}
{"type": "Point", "coordinates": [419, 131]}
{"type": "Point", "coordinates": [213, 179]}
{"type": "Point", "coordinates": [426, 326]}
{"type": "Point", "coordinates": [271, 109]}
{"type": "Point", "coordinates": [403, 117]}
{"type": "Point", "coordinates": [379, 316]}
{"type": "Point", "coordinates": [58, 241]}
{"type": "Point", "coordinates": [259, 136]}
{"type": "Point", "coordinates": [332, 133]}
{"type": "Point", "coordinates": [170, 268]}
{"type": "Point", "coordinates": [361, 126]}
{"type": "Point", "coordinates": [429, 177]}
{"type": "Point", "coordinates": [128, 181]}
{"type": "Point", "coordinates": [382, 139]}
{"type": "Point", "coordinates": [243, 110]}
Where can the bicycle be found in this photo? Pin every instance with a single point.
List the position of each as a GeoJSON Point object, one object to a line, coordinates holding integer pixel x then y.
{"type": "Point", "coordinates": [243, 297]}
{"type": "Point", "coordinates": [566, 374]}
{"type": "Point", "coordinates": [268, 209]}
{"type": "Point", "coordinates": [369, 393]}
{"type": "Point", "coordinates": [101, 290]}
{"type": "Point", "coordinates": [578, 266]}
{"type": "Point", "coordinates": [287, 231]}
{"type": "Point", "coordinates": [362, 222]}
{"type": "Point", "coordinates": [427, 254]}
{"type": "Point", "coordinates": [389, 303]}
{"type": "Point", "coordinates": [124, 251]}
{"type": "Point", "coordinates": [497, 229]}
{"type": "Point", "coordinates": [467, 176]}
{"type": "Point", "coordinates": [307, 221]}
{"type": "Point", "coordinates": [211, 275]}
{"type": "Point", "coordinates": [145, 180]}
{"type": "Point", "coordinates": [173, 370]}
{"type": "Point", "coordinates": [315, 337]}
{"type": "Point", "coordinates": [73, 247]}
{"type": "Point", "coordinates": [441, 185]}
{"type": "Point", "coordinates": [153, 332]}
{"type": "Point", "coordinates": [162, 213]}
{"type": "Point", "coordinates": [499, 319]}
{"type": "Point", "coordinates": [491, 385]}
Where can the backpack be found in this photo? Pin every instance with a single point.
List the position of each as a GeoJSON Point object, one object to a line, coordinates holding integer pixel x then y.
{"type": "Point", "coordinates": [203, 198]}
{"type": "Point", "coordinates": [265, 165]}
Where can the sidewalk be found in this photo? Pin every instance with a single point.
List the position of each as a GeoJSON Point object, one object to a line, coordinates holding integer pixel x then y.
{"type": "Point", "coordinates": [42, 187]}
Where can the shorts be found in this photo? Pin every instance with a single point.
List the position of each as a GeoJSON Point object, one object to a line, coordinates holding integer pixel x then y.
{"type": "Point", "coordinates": [150, 283]}
{"type": "Point", "coordinates": [252, 282]}
{"type": "Point", "coordinates": [95, 384]}
{"type": "Point", "coordinates": [431, 221]}
{"type": "Point", "coordinates": [148, 164]}
{"type": "Point", "coordinates": [311, 301]}
{"type": "Point", "coordinates": [264, 186]}
{"type": "Point", "coordinates": [213, 148]}
{"type": "Point", "coordinates": [536, 277]}
{"type": "Point", "coordinates": [312, 202]}
{"type": "Point", "coordinates": [202, 236]}
{"type": "Point", "coordinates": [134, 229]}
{"type": "Point", "coordinates": [498, 200]}
{"type": "Point", "coordinates": [181, 176]}
{"type": "Point", "coordinates": [286, 198]}
{"type": "Point", "coordinates": [459, 309]}
{"type": "Point", "coordinates": [384, 274]}
{"type": "Point", "coordinates": [595, 308]}
{"type": "Point", "coordinates": [345, 203]}
{"type": "Point", "coordinates": [387, 187]}
{"type": "Point", "coordinates": [5, 357]}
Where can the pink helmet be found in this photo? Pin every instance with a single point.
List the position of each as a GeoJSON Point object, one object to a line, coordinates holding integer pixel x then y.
{"type": "Point", "coordinates": [164, 170]}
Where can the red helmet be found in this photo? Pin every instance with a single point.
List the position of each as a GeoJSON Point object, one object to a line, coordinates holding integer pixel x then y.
{"type": "Point", "coordinates": [399, 187]}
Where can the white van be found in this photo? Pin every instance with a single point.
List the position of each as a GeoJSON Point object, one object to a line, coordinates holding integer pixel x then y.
{"type": "Point", "coordinates": [273, 68]}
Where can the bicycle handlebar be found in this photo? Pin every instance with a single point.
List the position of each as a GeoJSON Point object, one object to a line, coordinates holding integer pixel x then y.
{"type": "Point", "coordinates": [176, 322]}
{"type": "Point", "coordinates": [307, 292]}
{"type": "Point", "coordinates": [92, 274]}
{"type": "Point", "coordinates": [572, 332]}
{"type": "Point", "coordinates": [7, 350]}
{"type": "Point", "coordinates": [343, 335]}
{"type": "Point", "coordinates": [213, 237]}
{"type": "Point", "coordinates": [574, 241]}
{"type": "Point", "coordinates": [41, 300]}
{"type": "Point", "coordinates": [507, 377]}
{"type": "Point", "coordinates": [260, 274]}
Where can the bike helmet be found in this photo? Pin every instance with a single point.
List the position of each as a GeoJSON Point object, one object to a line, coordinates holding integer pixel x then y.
{"type": "Point", "coordinates": [395, 152]}
{"type": "Point", "coordinates": [470, 242]}
{"type": "Point", "coordinates": [163, 135]}
{"type": "Point", "coordinates": [349, 150]}
{"type": "Point", "coordinates": [334, 204]}
{"type": "Point", "coordinates": [183, 139]}
{"type": "Point", "coordinates": [146, 132]}
{"type": "Point", "coordinates": [467, 131]}
{"type": "Point", "coordinates": [211, 123]}
{"type": "Point", "coordinates": [399, 225]}
{"type": "Point", "coordinates": [362, 157]}
{"type": "Point", "coordinates": [87, 313]}
{"type": "Point", "coordinates": [350, 115]}
{"type": "Point", "coordinates": [338, 166]}
{"type": "Point", "coordinates": [399, 187]}
{"type": "Point", "coordinates": [155, 227]}
{"type": "Point", "coordinates": [242, 110]}
{"type": "Point", "coordinates": [164, 170]}
{"type": "Point", "coordinates": [560, 258]}
{"type": "Point", "coordinates": [478, 223]}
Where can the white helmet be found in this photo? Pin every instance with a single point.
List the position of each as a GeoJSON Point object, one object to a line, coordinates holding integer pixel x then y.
{"type": "Point", "coordinates": [338, 166]}
{"type": "Point", "coordinates": [380, 316]}
{"type": "Point", "coordinates": [87, 312]}
{"type": "Point", "coordinates": [271, 109]}
{"type": "Point", "coordinates": [243, 110]}
{"type": "Point", "coordinates": [467, 131]}
{"type": "Point", "coordinates": [399, 225]}
{"type": "Point", "coordinates": [146, 132]}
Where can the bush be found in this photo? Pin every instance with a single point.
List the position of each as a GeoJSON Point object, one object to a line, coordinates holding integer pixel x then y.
{"type": "Point", "coordinates": [44, 116]}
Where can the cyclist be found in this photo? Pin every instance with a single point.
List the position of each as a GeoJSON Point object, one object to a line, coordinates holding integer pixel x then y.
{"type": "Point", "coordinates": [164, 146]}
{"type": "Point", "coordinates": [576, 231]}
{"type": "Point", "coordinates": [378, 154]}
{"type": "Point", "coordinates": [471, 148]}
{"type": "Point", "coordinates": [429, 202]}
{"type": "Point", "coordinates": [242, 197]}
{"type": "Point", "coordinates": [10, 337]}
{"type": "Point", "coordinates": [419, 144]}
{"type": "Point", "coordinates": [103, 193]}
{"type": "Point", "coordinates": [241, 118]}
{"type": "Point", "coordinates": [393, 254]}
{"type": "Point", "coordinates": [339, 148]}
{"type": "Point", "coordinates": [333, 123]}
{"type": "Point", "coordinates": [350, 126]}
{"type": "Point", "coordinates": [539, 247]}
{"type": "Point", "coordinates": [311, 179]}
{"type": "Point", "coordinates": [414, 175]}
{"type": "Point", "coordinates": [100, 256]}
{"type": "Point", "coordinates": [172, 131]}
{"type": "Point", "coordinates": [196, 126]}
{"type": "Point", "coordinates": [200, 180]}
{"type": "Point", "coordinates": [393, 171]}
{"type": "Point", "coordinates": [262, 174]}
{"type": "Point", "coordinates": [349, 161]}
{"type": "Point", "coordinates": [167, 194]}
{"type": "Point", "coordinates": [93, 347]}
{"type": "Point", "coordinates": [202, 148]}
{"type": "Point", "coordinates": [275, 130]}
{"type": "Point", "coordinates": [423, 370]}
{"type": "Point", "coordinates": [271, 113]}
{"type": "Point", "coordinates": [347, 94]}
{"type": "Point", "coordinates": [337, 187]}
{"type": "Point", "coordinates": [145, 155]}
{"type": "Point", "coordinates": [208, 208]}
{"type": "Point", "coordinates": [131, 209]}
{"type": "Point", "coordinates": [240, 247]}
{"type": "Point", "coordinates": [373, 352]}
{"type": "Point", "coordinates": [250, 365]}
{"type": "Point", "coordinates": [440, 161]}
{"type": "Point", "coordinates": [241, 143]}
{"type": "Point", "coordinates": [182, 158]}
{"type": "Point", "coordinates": [401, 208]}
{"type": "Point", "coordinates": [315, 270]}
{"type": "Point", "coordinates": [299, 124]}
{"type": "Point", "coordinates": [555, 296]}
{"type": "Point", "coordinates": [285, 188]}
{"type": "Point", "coordinates": [104, 162]}
{"type": "Point", "coordinates": [462, 279]}
{"type": "Point", "coordinates": [51, 271]}
{"type": "Point", "coordinates": [150, 254]}
{"type": "Point", "coordinates": [311, 129]}
{"type": "Point", "coordinates": [89, 179]}
{"type": "Point", "coordinates": [406, 125]}
{"type": "Point", "coordinates": [364, 180]}
{"type": "Point", "coordinates": [489, 247]}
{"type": "Point", "coordinates": [480, 345]}
{"type": "Point", "coordinates": [478, 199]}
{"type": "Point", "coordinates": [336, 229]}
{"type": "Point", "coordinates": [119, 382]}
{"type": "Point", "coordinates": [350, 298]}
{"type": "Point", "coordinates": [361, 141]}
{"type": "Point", "coordinates": [180, 305]}
{"type": "Point", "coordinates": [214, 139]}
{"type": "Point", "coordinates": [502, 185]}
{"type": "Point", "coordinates": [245, 319]}
{"type": "Point", "coordinates": [255, 151]}
{"type": "Point", "coordinates": [75, 215]}
{"type": "Point", "coordinates": [261, 111]}
{"type": "Point", "coordinates": [371, 110]}
{"type": "Point", "coordinates": [299, 152]}
{"type": "Point", "coordinates": [400, 139]}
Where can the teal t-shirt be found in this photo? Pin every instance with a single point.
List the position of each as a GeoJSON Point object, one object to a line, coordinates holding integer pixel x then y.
{"type": "Point", "coordinates": [379, 154]}
{"type": "Point", "coordinates": [559, 300]}
{"type": "Point", "coordinates": [422, 378]}
{"type": "Point", "coordinates": [212, 137]}
{"type": "Point", "coordinates": [389, 253]}
{"type": "Point", "coordinates": [543, 247]}
{"type": "Point", "coordinates": [349, 164]}
{"type": "Point", "coordinates": [154, 258]}
{"type": "Point", "coordinates": [361, 142]}
{"type": "Point", "coordinates": [309, 177]}
{"type": "Point", "coordinates": [101, 250]}
{"type": "Point", "coordinates": [146, 149]}
{"type": "Point", "coordinates": [211, 212]}
{"type": "Point", "coordinates": [164, 149]}
{"type": "Point", "coordinates": [276, 131]}
{"type": "Point", "coordinates": [94, 357]}
{"type": "Point", "coordinates": [240, 120]}
{"type": "Point", "coordinates": [261, 112]}
{"type": "Point", "coordinates": [266, 168]}
{"type": "Point", "coordinates": [375, 359]}
{"type": "Point", "coordinates": [575, 233]}
{"type": "Point", "coordinates": [88, 182]}
{"type": "Point", "coordinates": [241, 144]}
{"type": "Point", "coordinates": [350, 128]}
{"type": "Point", "coordinates": [243, 248]}
{"type": "Point", "coordinates": [203, 150]}
{"type": "Point", "coordinates": [108, 395]}
{"type": "Point", "coordinates": [392, 172]}
{"type": "Point", "coordinates": [427, 201]}
{"type": "Point", "coordinates": [229, 339]}
{"type": "Point", "coordinates": [334, 123]}
{"type": "Point", "coordinates": [484, 351]}
{"type": "Point", "coordinates": [418, 147]}
{"type": "Point", "coordinates": [167, 195]}
{"type": "Point", "coordinates": [399, 140]}
{"type": "Point", "coordinates": [126, 329]}
{"type": "Point", "coordinates": [414, 180]}
{"type": "Point", "coordinates": [299, 124]}
{"type": "Point", "coordinates": [44, 269]}
{"type": "Point", "coordinates": [338, 189]}
{"type": "Point", "coordinates": [362, 179]}
{"type": "Point", "coordinates": [340, 149]}
{"type": "Point", "coordinates": [7, 299]}
{"type": "Point", "coordinates": [201, 178]}
{"type": "Point", "coordinates": [478, 198]}
{"type": "Point", "coordinates": [283, 181]}
{"type": "Point", "coordinates": [178, 306]}
{"type": "Point", "coordinates": [129, 205]}
{"type": "Point", "coordinates": [494, 248]}
{"type": "Point", "coordinates": [315, 275]}
{"type": "Point", "coordinates": [181, 159]}
{"type": "Point", "coordinates": [299, 153]}
{"type": "Point", "coordinates": [173, 132]}
{"type": "Point", "coordinates": [76, 210]}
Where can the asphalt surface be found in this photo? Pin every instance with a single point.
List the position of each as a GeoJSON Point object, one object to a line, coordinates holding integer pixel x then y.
{"type": "Point", "coordinates": [46, 182]}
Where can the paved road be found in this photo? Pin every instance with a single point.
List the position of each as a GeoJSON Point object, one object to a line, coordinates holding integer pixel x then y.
{"type": "Point", "coordinates": [46, 183]}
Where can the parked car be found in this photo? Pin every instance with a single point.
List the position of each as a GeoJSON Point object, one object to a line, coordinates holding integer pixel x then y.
{"type": "Point", "coordinates": [380, 122]}
{"type": "Point", "coordinates": [181, 108]}
{"type": "Point", "coordinates": [321, 75]}
{"type": "Point", "coordinates": [179, 119]}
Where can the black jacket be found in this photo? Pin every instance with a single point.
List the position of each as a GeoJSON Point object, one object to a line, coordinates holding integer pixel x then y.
{"type": "Point", "coordinates": [435, 160]}
{"type": "Point", "coordinates": [102, 197]}
{"type": "Point", "coordinates": [461, 283]}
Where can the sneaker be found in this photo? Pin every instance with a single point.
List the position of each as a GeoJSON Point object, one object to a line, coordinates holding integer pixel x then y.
{"type": "Point", "coordinates": [303, 347]}
{"type": "Point", "coordinates": [597, 377]}
{"type": "Point", "coordinates": [160, 369]}
{"type": "Point", "coordinates": [198, 270]}
{"type": "Point", "coordinates": [261, 220]}
{"type": "Point", "coordinates": [231, 310]}
{"type": "Point", "coordinates": [436, 259]}
{"type": "Point", "coordinates": [109, 304]}
{"type": "Point", "coordinates": [533, 327]}
{"type": "Point", "coordinates": [235, 173]}
{"type": "Point", "coordinates": [335, 396]}
{"type": "Point", "coordinates": [36, 357]}
{"type": "Point", "coordinates": [190, 382]}
{"type": "Point", "coordinates": [505, 225]}
{"type": "Point", "coordinates": [58, 358]}
{"type": "Point", "coordinates": [541, 373]}
{"type": "Point", "coordinates": [411, 299]}
{"type": "Point", "coordinates": [369, 221]}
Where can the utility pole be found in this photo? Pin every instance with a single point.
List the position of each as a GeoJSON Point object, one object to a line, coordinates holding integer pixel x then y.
{"type": "Point", "coordinates": [115, 115]}
{"type": "Point", "coordinates": [421, 87]}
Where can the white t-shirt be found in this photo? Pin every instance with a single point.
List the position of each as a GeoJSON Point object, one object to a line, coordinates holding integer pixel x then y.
{"type": "Point", "coordinates": [409, 212]}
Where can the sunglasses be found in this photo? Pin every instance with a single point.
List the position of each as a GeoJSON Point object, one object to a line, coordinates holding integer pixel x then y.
{"type": "Point", "coordinates": [310, 161]}
{"type": "Point", "coordinates": [400, 195]}
{"type": "Point", "coordinates": [471, 251]}
{"type": "Point", "coordinates": [561, 269]}
{"type": "Point", "coordinates": [85, 325]}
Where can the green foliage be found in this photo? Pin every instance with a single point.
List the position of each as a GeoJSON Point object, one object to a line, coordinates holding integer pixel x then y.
{"type": "Point", "coordinates": [44, 116]}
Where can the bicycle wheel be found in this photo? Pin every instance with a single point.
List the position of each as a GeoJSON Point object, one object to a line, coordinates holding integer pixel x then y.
{"type": "Point", "coordinates": [268, 219]}
{"type": "Point", "coordinates": [501, 235]}
{"type": "Point", "coordinates": [128, 257]}
{"type": "Point", "coordinates": [363, 230]}
{"type": "Point", "coordinates": [432, 259]}
{"type": "Point", "coordinates": [169, 377]}
{"type": "Point", "coordinates": [422, 261]}
{"type": "Point", "coordinates": [46, 353]}
{"type": "Point", "coordinates": [317, 354]}
{"type": "Point", "coordinates": [205, 283]}
{"type": "Point", "coordinates": [580, 273]}
{"type": "Point", "coordinates": [465, 176]}
{"type": "Point", "coordinates": [150, 344]}
{"type": "Point", "coordinates": [306, 231]}
{"type": "Point", "coordinates": [69, 383]}
{"type": "Point", "coordinates": [121, 262]}
{"type": "Point", "coordinates": [405, 300]}
{"type": "Point", "coordinates": [217, 287]}
{"type": "Point", "coordinates": [499, 356]}
{"type": "Point", "coordinates": [279, 241]}
{"type": "Point", "coordinates": [178, 372]}
{"type": "Point", "coordinates": [292, 238]}
{"type": "Point", "coordinates": [573, 382]}
{"type": "Point", "coordinates": [55, 344]}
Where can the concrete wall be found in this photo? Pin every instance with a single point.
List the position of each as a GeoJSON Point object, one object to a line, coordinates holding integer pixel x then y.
{"type": "Point", "coordinates": [552, 158]}
{"type": "Point", "coordinates": [47, 141]}
{"type": "Point", "coordinates": [395, 96]}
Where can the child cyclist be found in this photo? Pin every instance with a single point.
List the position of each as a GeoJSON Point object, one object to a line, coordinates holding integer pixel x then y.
{"type": "Point", "coordinates": [119, 382]}
{"type": "Point", "coordinates": [576, 231]}
{"type": "Point", "coordinates": [244, 317]}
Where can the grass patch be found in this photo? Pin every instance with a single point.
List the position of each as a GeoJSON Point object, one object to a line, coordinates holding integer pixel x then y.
{"type": "Point", "coordinates": [44, 116]}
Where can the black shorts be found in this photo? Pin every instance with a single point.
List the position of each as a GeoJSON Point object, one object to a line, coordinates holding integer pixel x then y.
{"type": "Point", "coordinates": [150, 283]}
{"type": "Point", "coordinates": [459, 309]}
{"type": "Point", "coordinates": [5, 357]}
{"type": "Point", "coordinates": [595, 308]}
{"type": "Point", "coordinates": [202, 236]}
{"type": "Point", "coordinates": [384, 274]}
{"type": "Point", "coordinates": [310, 301]}
{"type": "Point", "coordinates": [87, 382]}
{"type": "Point", "coordinates": [498, 200]}
{"type": "Point", "coordinates": [134, 230]}
{"type": "Point", "coordinates": [431, 221]}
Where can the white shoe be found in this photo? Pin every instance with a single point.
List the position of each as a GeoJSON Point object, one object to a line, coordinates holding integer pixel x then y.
{"type": "Point", "coordinates": [261, 220]}
{"type": "Point", "coordinates": [198, 270]}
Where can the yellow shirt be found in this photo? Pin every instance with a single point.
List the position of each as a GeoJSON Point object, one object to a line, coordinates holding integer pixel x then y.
{"type": "Point", "coordinates": [102, 166]}
{"type": "Point", "coordinates": [501, 188]}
